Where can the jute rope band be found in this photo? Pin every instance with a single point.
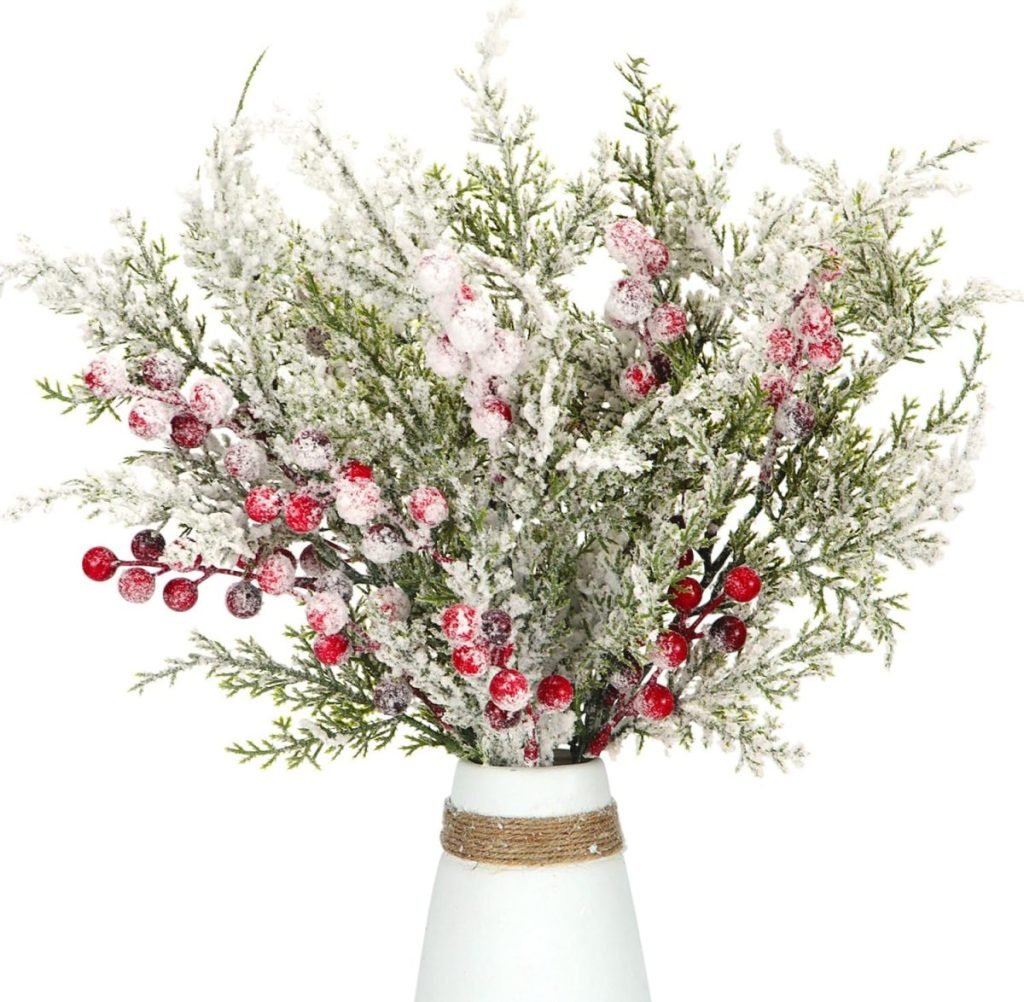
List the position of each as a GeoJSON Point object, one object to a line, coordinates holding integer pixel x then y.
{"type": "Point", "coordinates": [575, 838]}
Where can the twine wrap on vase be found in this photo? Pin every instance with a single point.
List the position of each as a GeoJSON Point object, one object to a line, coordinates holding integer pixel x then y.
{"type": "Point", "coordinates": [574, 838]}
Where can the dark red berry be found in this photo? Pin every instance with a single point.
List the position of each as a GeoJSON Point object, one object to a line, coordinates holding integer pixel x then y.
{"type": "Point", "coordinates": [392, 696]}
{"type": "Point", "coordinates": [685, 559]}
{"type": "Point", "coordinates": [742, 584]}
{"type": "Point", "coordinates": [499, 719]}
{"type": "Point", "coordinates": [728, 634]}
{"type": "Point", "coordinates": [148, 545]}
{"type": "Point", "coordinates": [136, 585]}
{"type": "Point", "coordinates": [243, 600]}
{"type": "Point", "coordinates": [188, 431]}
{"type": "Point", "coordinates": [311, 563]}
{"type": "Point", "coordinates": [99, 563]}
{"type": "Point", "coordinates": [662, 367]}
{"type": "Point", "coordinates": [685, 595]}
{"type": "Point", "coordinates": [180, 594]}
{"type": "Point", "coordinates": [496, 626]}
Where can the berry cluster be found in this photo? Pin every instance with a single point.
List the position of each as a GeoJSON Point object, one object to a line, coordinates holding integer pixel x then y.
{"type": "Point", "coordinates": [160, 408]}
{"type": "Point", "coordinates": [631, 305]}
{"type": "Point", "coordinates": [805, 341]}
{"type": "Point", "coordinates": [635, 689]}
{"type": "Point", "coordinates": [482, 649]}
{"type": "Point", "coordinates": [470, 346]}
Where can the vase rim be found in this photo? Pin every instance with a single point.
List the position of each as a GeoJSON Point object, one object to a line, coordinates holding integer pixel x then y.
{"type": "Point", "coordinates": [530, 791]}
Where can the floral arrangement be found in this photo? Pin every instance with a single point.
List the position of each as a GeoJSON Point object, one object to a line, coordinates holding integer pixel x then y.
{"type": "Point", "coordinates": [516, 521]}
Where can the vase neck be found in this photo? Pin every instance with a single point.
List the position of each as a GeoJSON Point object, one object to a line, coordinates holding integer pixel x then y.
{"type": "Point", "coordinates": [531, 793]}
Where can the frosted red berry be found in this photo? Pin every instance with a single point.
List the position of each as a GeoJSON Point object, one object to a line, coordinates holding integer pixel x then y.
{"type": "Point", "coordinates": [354, 471]}
{"type": "Point", "coordinates": [180, 594]}
{"type": "Point", "coordinates": [500, 655]}
{"type": "Point", "coordinates": [742, 584]}
{"type": "Point", "coordinates": [531, 751]}
{"type": "Point", "coordinates": [782, 346]}
{"type": "Point", "coordinates": [136, 585]}
{"type": "Point", "coordinates": [510, 689]}
{"type": "Point", "coordinates": [728, 634]}
{"type": "Point", "coordinates": [263, 504]}
{"type": "Point", "coordinates": [163, 371]}
{"type": "Point", "coordinates": [775, 387]}
{"type": "Point", "coordinates": [496, 626]}
{"type": "Point", "coordinates": [667, 323]}
{"type": "Point", "coordinates": [470, 659]}
{"type": "Point", "coordinates": [655, 702]}
{"type": "Point", "coordinates": [499, 719]}
{"type": "Point", "coordinates": [311, 562]}
{"type": "Point", "coordinates": [243, 600]}
{"type": "Point", "coordinates": [656, 257]}
{"type": "Point", "coordinates": [99, 563]}
{"type": "Point", "coordinates": [637, 381]}
{"type": "Point", "coordinates": [826, 353]}
{"type": "Point", "coordinates": [428, 506]}
{"type": "Point", "coordinates": [331, 649]}
{"type": "Point", "coordinates": [392, 696]}
{"type": "Point", "coordinates": [685, 595]}
{"type": "Point", "coordinates": [460, 623]}
{"type": "Point", "coordinates": [187, 431]}
{"type": "Point", "coordinates": [148, 545]}
{"type": "Point", "coordinates": [555, 692]}
{"type": "Point", "coordinates": [276, 574]}
{"type": "Point", "coordinates": [302, 512]}
{"type": "Point", "coordinates": [670, 649]}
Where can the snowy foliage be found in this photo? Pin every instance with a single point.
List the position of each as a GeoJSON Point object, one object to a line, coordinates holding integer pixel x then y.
{"type": "Point", "coordinates": [492, 484]}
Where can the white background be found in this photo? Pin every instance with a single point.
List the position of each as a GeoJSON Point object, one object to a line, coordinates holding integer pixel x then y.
{"type": "Point", "coordinates": [141, 862]}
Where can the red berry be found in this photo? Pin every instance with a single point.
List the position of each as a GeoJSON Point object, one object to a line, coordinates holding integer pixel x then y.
{"type": "Point", "coordinates": [500, 719]}
{"type": "Point", "coordinates": [470, 659]}
{"type": "Point", "coordinates": [600, 741]}
{"type": "Point", "coordinates": [637, 381]}
{"type": "Point", "coordinates": [685, 559]}
{"type": "Point", "coordinates": [555, 692]}
{"type": "Point", "coordinates": [656, 257]}
{"type": "Point", "coordinates": [303, 513]}
{"type": "Point", "coordinates": [655, 702]}
{"type": "Point", "coordinates": [327, 612]}
{"type": "Point", "coordinates": [460, 623]}
{"type": "Point", "coordinates": [826, 353]}
{"type": "Point", "coordinates": [510, 690]}
{"type": "Point", "coordinates": [331, 649]}
{"type": "Point", "coordinates": [148, 545]}
{"type": "Point", "coordinates": [392, 696]}
{"type": "Point", "coordinates": [180, 594]}
{"type": "Point", "coordinates": [728, 634]}
{"type": "Point", "coordinates": [99, 563]}
{"type": "Point", "coordinates": [354, 470]}
{"type": "Point", "coordinates": [148, 419]}
{"type": "Point", "coordinates": [243, 600]}
{"type": "Point", "coordinates": [428, 506]}
{"type": "Point", "coordinates": [781, 346]}
{"type": "Point", "coordinates": [670, 649]}
{"type": "Point", "coordinates": [775, 387]}
{"type": "Point", "coordinates": [667, 323]}
{"type": "Point", "coordinates": [531, 751]}
{"type": "Point", "coordinates": [163, 371]}
{"type": "Point", "coordinates": [276, 575]}
{"type": "Point", "coordinates": [500, 656]}
{"type": "Point", "coordinates": [496, 625]}
{"type": "Point", "coordinates": [742, 584]}
{"type": "Point", "coordinates": [263, 504]}
{"type": "Point", "coordinates": [685, 595]}
{"type": "Point", "coordinates": [136, 585]}
{"type": "Point", "coordinates": [188, 431]}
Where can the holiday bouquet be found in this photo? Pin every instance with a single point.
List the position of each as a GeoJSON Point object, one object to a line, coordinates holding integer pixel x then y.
{"type": "Point", "coordinates": [518, 523]}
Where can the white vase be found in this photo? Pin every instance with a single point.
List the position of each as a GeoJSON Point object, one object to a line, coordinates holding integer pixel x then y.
{"type": "Point", "coordinates": [561, 933]}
